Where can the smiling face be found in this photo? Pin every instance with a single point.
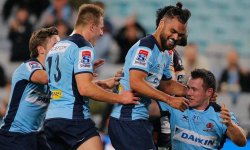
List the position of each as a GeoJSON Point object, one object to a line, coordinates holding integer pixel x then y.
{"type": "Point", "coordinates": [171, 31]}
{"type": "Point", "coordinates": [198, 96]}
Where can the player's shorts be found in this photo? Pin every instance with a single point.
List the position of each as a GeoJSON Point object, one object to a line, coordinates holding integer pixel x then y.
{"type": "Point", "coordinates": [64, 134]}
{"type": "Point", "coordinates": [23, 141]}
{"type": "Point", "coordinates": [131, 135]}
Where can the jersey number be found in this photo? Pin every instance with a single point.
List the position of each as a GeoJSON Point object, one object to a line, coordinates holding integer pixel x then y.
{"type": "Point", "coordinates": [58, 75]}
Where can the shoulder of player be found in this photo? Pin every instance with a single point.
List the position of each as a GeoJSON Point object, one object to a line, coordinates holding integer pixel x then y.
{"type": "Point", "coordinates": [215, 106]}
{"type": "Point", "coordinates": [148, 41]}
{"type": "Point", "coordinates": [79, 41]}
{"type": "Point", "coordinates": [32, 64]}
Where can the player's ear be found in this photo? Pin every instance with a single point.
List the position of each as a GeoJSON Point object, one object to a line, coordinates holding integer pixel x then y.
{"type": "Point", "coordinates": [91, 27]}
{"type": "Point", "coordinates": [40, 49]}
{"type": "Point", "coordinates": [210, 92]}
{"type": "Point", "coordinates": [161, 24]}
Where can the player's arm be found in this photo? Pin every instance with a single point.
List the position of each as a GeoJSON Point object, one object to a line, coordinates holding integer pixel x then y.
{"type": "Point", "coordinates": [87, 88]}
{"type": "Point", "coordinates": [106, 84]}
{"type": "Point", "coordinates": [139, 85]}
{"type": "Point", "coordinates": [234, 132]}
{"type": "Point", "coordinates": [167, 85]}
{"type": "Point", "coordinates": [111, 82]}
{"type": "Point", "coordinates": [40, 77]}
{"type": "Point", "coordinates": [173, 87]}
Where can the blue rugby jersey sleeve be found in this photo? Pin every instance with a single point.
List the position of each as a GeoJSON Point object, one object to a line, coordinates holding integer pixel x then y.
{"type": "Point", "coordinates": [141, 59]}
{"type": "Point", "coordinates": [29, 68]}
{"type": "Point", "coordinates": [84, 60]}
{"type": "Point", "coordinates": [167, 73]}
{"type": "Point", "coordinates": [164, 107]}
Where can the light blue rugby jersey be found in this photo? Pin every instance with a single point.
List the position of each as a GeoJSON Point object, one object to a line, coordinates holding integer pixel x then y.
{"type": "Point", "coordinates": [193, 129]}
{"type": "Point", "coordinates": [28, 101]}
{"type": "Point", "coordinates": [67, 58]}
{"type": "Point", "coordinates": [144, 56]}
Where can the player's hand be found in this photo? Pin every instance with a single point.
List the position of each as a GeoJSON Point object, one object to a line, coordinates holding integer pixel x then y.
{"type": "Point", "coordinates": [127, 97]}
{"type": "Point", "coordinates": [117, 77]}
{"type": "Point", "coordinates": [214, 98]}
{"type": "Point", "coordinates": [179, 103]}
{"type": "Point", "coordinates": [103, 84]}
{"type": "Point", "coordinates": [98, 63]}
{"type": "Point", "coordinates": [225, 116]}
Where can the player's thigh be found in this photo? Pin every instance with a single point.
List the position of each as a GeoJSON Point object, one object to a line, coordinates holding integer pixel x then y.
{"type": "Point", "coordinates": [94, 143]}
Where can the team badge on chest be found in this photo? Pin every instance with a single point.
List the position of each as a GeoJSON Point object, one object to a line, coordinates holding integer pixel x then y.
{"type": "Point", "coordinates": [141, 58]}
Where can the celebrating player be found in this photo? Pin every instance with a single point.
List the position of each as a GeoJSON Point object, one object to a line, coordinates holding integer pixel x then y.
{"type": "Point", "coordinates": [147, 68]}
{"type": "Point", "coordinates": [29, 97]}
{"type": "Point", "coordinates": [69, 65]}
{"type": "Point", "coordinates": [204, 125]}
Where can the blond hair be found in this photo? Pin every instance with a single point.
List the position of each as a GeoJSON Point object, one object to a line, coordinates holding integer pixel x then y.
{"type": "Point", "coordinates": [89, 13]}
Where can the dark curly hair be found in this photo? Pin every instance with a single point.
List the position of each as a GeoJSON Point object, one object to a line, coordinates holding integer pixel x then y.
{"type": "Point", "coordinates": [173, 11]}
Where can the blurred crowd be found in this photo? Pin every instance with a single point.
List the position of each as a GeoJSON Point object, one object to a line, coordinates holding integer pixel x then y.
{"type": "Point", "coordinates": [24, 16]}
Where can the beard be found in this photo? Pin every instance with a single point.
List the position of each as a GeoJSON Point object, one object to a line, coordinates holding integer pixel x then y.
{"type": "Point", "coordinates": [165, 43]}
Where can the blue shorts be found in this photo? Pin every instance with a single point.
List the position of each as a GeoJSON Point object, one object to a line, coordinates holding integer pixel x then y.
{"type": "Point", "coordinates": [131, 135]}
{"type": "Point", "coordinates": [23, 141]}
{"type": "Point", "coordinates": [64, 134]}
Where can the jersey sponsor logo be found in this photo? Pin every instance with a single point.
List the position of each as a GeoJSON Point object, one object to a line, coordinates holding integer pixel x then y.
{"type": "Point", "coordinates": [36, 96]}
{"type": "Point", "coordinates": [209, 127]}
{"type": "Point", "coordinates": [156, 80]}
{"type": "Point", "coordinates": [59, 48]}
{"type": "Point", "coordinates": [56, 94]}
{"type": "Point", "coordinates": [193, 138]}
{"type": "Point", "coordinates": [85, 58]}
{"type": "Point", "coordinates": [33, 65]}
{"type": "Point", "coordinates": [141, 58]}
{"type": "Point", "coordinates": [142, 55]}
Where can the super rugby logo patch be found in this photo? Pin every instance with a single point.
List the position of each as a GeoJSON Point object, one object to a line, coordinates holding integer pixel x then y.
{"type": "Point", "coordinates": [85, 57]}
{"type": "Point", "coordinates": [33, 65]}
{"type": "Point", "coordinates": [141, 58]}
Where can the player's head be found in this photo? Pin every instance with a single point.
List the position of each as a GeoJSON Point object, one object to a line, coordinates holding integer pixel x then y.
{"type": "Point", "coordinates": [42, 41]}
{"type": "Point", "coordinates": [90, 17]}
{"type": "Point", "coordinates": [201, 87]}
{"type": "Point", "coordinates": [171, 24]}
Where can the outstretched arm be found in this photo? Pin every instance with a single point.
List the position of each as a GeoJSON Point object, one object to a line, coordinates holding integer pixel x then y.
{"type": "Point", "coordinates": [111, 82]}
{"type": "Point", "coordinates": [173, 87]}
{"type": "Point", "coordinates": [234, 132]}
{"type": "Point", "coordinates": [139, 85]}
{"type": "Point", "coordinates": [87, 88]}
